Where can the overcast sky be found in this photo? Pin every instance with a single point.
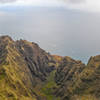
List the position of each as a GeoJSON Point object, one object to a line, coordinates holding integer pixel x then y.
{"type": "Point", "coordinates": [63, 27]}
{"type": "Point", "coordinates": [87, 5]}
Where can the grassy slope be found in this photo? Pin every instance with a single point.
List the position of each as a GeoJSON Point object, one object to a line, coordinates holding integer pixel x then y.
{"type": "Point", "coordinates": [13, 88]}
{"type": "Point", "coordinates": [11, 84]}
{"type": "Point", "coordinates": [48, 86]}
{"type": "Point", "coordinates": [88, 87]}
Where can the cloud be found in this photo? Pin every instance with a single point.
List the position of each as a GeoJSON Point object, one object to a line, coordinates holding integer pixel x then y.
{"type": "Point", "coordinates": [83, 5]}
{"type": "Point", "coordinates": [46, 3]}
{"type": "Point", "coordinates": [7, 1]}
{"type": "Point", "coordinates": [76, 1]}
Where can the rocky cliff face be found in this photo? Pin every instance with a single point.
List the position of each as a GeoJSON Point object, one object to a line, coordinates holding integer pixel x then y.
{"type": "Point", "coordinates": [78, 82]}
{"type": "Point", "coordinates": [27, 72]}
{"type": "Point", "coordinates": [13, 72]}
{"type": "Point", "coordinates": [66, 75]}
{"type": "Point", "coordinates": [37, 59]}
{"type": "Point", "coordinates": [22, 66]}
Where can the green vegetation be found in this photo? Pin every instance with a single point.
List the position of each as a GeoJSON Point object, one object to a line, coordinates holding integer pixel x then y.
{"type": "Point", "coordinates": [48, 87]}
{"type": "Point", "coordinates": [2, 74]}
{"type": "Point", "coordinates": [27, 73]}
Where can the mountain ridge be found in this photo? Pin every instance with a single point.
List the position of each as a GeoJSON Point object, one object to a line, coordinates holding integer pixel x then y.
{"type": "Point", "coordinates": [28, 72]}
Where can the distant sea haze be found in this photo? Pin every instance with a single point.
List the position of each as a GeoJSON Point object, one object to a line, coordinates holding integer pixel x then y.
{"type": "Point", "coordinates": [57, 30]}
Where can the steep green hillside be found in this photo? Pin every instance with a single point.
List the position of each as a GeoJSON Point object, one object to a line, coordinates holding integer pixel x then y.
{"type": "Point", "coordinates": [89, 83]}
{"type": "Point", "coordinates": [27, 72]}
{"type": "Point", "coordinates": [23, 65]}
{"type": "Point", "coordinates": [48, 87]}
{"type": "Point", "coordinates": [78, 82]}
{"type": "Point", "coordinates": [15, 77]}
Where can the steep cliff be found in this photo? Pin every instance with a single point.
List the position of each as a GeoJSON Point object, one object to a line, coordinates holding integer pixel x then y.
{"type": "Point", "coordinates": [22, 66]}
{"type": "Point", "coordinates": [76, 81]}
{"type": "Point", "coordinates": [67, 74]}
{"type": "Point", "coordinates": [27, 72]}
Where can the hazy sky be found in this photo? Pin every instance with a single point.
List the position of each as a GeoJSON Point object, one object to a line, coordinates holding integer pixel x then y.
{"type": "Point", "coordinates": [64, 27]}
{"type": "Point", "coordinates": [87, 5]}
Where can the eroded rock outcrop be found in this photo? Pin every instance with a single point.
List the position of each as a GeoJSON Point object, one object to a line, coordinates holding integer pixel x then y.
{"type": "Point", "coordinates": [66, 76]}
{"type": "Point", "coordinates": [77, 81]}
{"type": "Point", "coordinates": [23, 65]}
{"type": "Point", "coordinates": [27, 72]}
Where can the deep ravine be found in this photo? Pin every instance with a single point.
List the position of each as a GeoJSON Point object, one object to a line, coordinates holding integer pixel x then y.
{"type": "Point", "coordinates": [28, 72]}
